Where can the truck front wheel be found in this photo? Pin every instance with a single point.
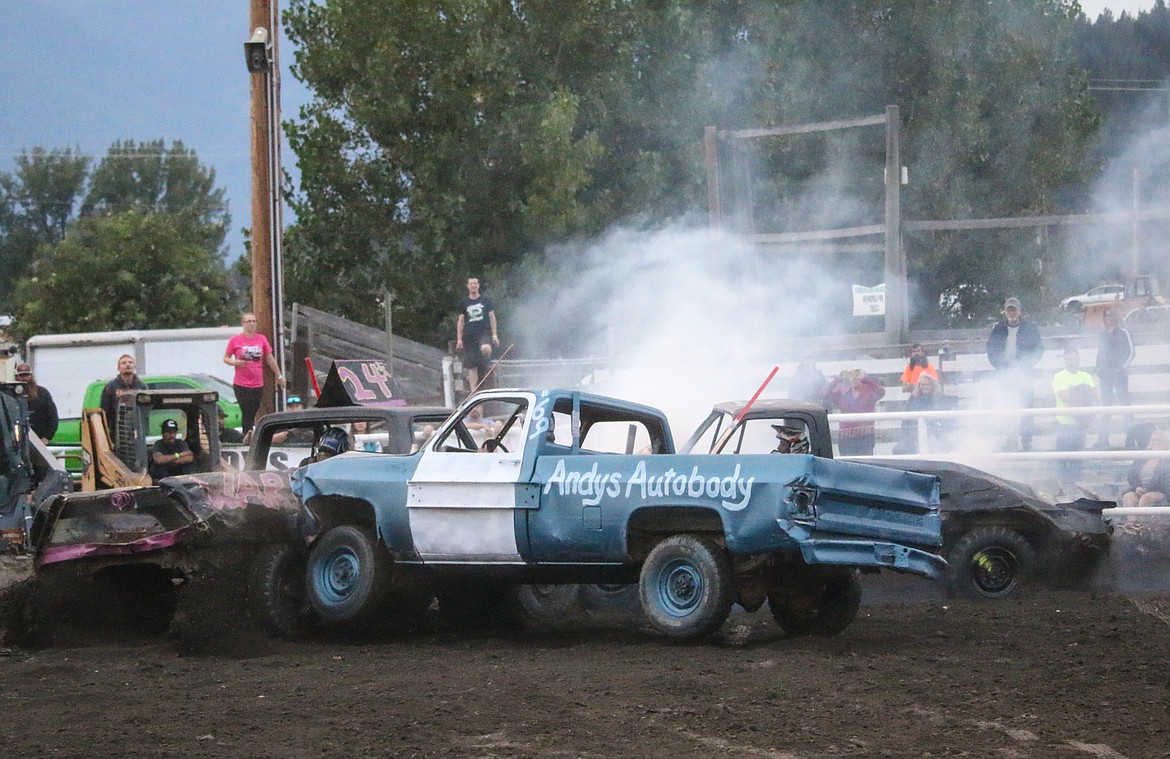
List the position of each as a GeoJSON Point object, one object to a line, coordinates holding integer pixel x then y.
{"type": "Point", "coordinates": [816, 602]}
{"type": "Point", "coordinates": [687, 587]}
{"type": "Point", "coordinates": [347, 576]}
{"type": "Point", "coordinates": [989, 562]}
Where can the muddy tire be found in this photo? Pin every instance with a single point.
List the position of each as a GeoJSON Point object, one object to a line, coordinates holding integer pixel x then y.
{"type": "Point", "coordinates": [276, 583]}
{"type": "Point", "coordinates": [990, 563]}
{"type": "Point", "coordinates": [817, 602]}
{"type": "Point", "coordinates": [347, 576]}
{"type": "Point", "coordinates": [687, 587]}
{"type": "Point", "coordinates": [542, 604]}
{"type": "Point", "coordinates": [611, 598]}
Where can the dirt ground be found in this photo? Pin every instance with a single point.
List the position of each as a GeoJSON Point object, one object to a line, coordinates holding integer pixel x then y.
{"type": "Point", "coordinates": [1070, 674]}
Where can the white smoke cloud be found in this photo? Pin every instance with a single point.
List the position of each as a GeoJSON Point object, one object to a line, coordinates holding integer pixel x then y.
{"type": "Point", "coordinates": [689, 316]}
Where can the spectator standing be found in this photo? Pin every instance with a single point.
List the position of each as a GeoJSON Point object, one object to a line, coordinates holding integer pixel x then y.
{"type": "Point", "coordinates": [1072, 386]}
{"type": "Point", "coordinates": [855, 392]}
{"type": "Point", "coordinates": [1014, 347]}
{"type": "Point", "coordinates": [42, 411]}
{"type": "Point", "coordinates": [917, 365]}
{"type": "Point", "coordinates": [926, 396]}
{"type": "Point", "coordinates": [1149, 479]}
{"type": "Point", "coordinates": [127, 381]}
{"type": "Point", "coordinates": [1115, 352]}
{"type": "Point", "coordinates": [169, 456]}
{"type": "Point", "coordinates": [476, 332]}
{"type": "Point", "coordinates": [249, 352]}
{"type": "Point", "coordinates": [808, 383]}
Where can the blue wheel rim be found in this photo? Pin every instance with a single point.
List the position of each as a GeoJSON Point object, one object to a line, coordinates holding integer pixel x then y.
{"type": "Point", "coordinates": [337, 575]}
{"type": "Point", "coordinates": [679, 587]}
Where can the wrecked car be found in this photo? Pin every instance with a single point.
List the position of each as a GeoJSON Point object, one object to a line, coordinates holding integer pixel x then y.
{"type": "Point", "coordinates": [148, 543]}
{"type": "Point", "coordinates": [997, 534]}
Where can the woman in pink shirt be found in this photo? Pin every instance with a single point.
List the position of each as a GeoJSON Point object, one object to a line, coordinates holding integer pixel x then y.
{"type": "Point", "coordinates": [248, 352]}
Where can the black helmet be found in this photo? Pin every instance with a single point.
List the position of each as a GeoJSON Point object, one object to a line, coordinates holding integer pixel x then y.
{"type": "Point", "coordinates": [334, 440]}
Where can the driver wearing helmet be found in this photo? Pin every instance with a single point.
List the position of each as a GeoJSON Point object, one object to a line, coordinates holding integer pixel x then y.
{"type": "Point", "coordinates": [790, 439]}
{"type": "Point", "coordinates": [333, 441]}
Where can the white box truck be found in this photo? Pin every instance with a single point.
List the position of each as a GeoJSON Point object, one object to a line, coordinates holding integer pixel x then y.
{"type": "Point", "coordinates": [67, 364]}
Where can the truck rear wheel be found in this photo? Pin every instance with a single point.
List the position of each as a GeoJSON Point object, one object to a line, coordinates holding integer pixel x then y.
{"type": "Point", "coordinates": [687, 587]}
{"type": "Point", "coordinates": [347, 575]}
{"type": "Point", "coordinates": [276, 581]}
{"type": "Point", "coordinates": [541, 604]}
{"type": "Point", "coordinates": [816, 602]}
{"type": "Point", "coordinates": [610, 597]}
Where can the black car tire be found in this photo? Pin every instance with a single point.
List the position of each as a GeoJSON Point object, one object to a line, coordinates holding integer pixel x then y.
{"type": "Point", "coordinates": [817, 602]}
{"type": "Point", "coordinates": [545, 603]}
{"type": "Point", "coordinates": [610, 597]}
{"type": "Point", "coordinates": [347, 576]}
{"type": "Point", "coordinates": [989, 562]}
{"type": "Point", "coordinates": [276, 582]}
{"type": "Point", "coordinates": [687, 587]}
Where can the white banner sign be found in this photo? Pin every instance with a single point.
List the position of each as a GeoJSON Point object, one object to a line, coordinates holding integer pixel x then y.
{"type": "Point", "coordinates": [869, 301]}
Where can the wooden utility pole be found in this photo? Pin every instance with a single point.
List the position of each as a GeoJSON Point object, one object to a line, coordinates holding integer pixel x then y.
{"type": "Point", "coordinates": [897, 313]}
{"type": "Point", "coordinates": [265, 111]}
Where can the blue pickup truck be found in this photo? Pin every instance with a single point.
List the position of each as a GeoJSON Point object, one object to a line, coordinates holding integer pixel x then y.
{"type": "Point", "coordinates": [556, 487]}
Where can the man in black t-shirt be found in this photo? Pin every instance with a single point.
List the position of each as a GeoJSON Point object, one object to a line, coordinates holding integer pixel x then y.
{"type": "Point", "coordinates": [476, 332]}
{"type": "Point", "coordinates": [170, 455]}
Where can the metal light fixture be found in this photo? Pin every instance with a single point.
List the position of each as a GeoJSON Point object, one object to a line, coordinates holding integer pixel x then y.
{"type": "Point", "coordinates": [258, 52]}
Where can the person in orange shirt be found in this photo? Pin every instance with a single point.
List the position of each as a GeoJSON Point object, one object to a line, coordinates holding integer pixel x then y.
{"type": "Point", "coordinates": [918, 365]}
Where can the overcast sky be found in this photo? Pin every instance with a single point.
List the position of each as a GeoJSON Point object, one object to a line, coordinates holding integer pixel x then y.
{"type": "Point", "coordinates": [84, 73]}
{"type": "Point", "coordinates": [1093, 8]}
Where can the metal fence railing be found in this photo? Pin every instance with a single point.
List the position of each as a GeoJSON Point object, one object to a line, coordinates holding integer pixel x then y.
{"type": "Point", "coordinates": [973, 437]}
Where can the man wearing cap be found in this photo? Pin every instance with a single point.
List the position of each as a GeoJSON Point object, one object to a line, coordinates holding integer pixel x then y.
{"type": "Point", "coordinates": [42, 411]}
{"type": "Point", "coordinates": [1014, 348]}
{"type": "Point", "coordinates": [229, 435]}
{"type": "Point", "coordinates": [297, 436]}
{"type": "Point", "coordinates": [169, 455]}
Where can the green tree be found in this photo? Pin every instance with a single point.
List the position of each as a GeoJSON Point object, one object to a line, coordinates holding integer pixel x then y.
{"type": "Point", "coordinates": [465, 136]}
{"type": "Point", "coordinates": [152, 178]}
{"type": "Point", "coordinates": [37, 202]}
{"type": "Point", "coordinates": [63, 229]}
{"type": "Point", "coordinates": [493, 129]}
{"type": "Point", "coordinates": [130, 270]}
